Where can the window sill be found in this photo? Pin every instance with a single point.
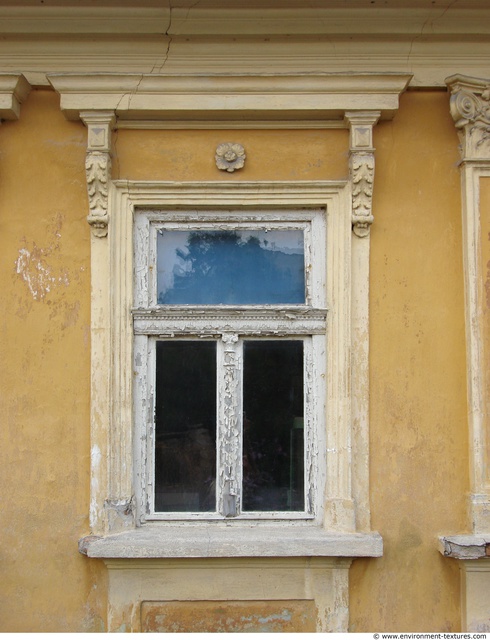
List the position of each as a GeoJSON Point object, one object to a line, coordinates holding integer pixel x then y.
{"type": "Point", "coordinates": [211, 541]}
{"type": "Point", "coordinates": [465, 547]}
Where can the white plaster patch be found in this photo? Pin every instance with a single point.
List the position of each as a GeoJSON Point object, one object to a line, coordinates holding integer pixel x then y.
{"type": "Point", "coordinates": [95, 456]}
{"type": "Point", "coordinates": [37, 274]}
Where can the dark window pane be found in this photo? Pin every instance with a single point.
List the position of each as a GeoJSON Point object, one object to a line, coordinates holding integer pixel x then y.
{"type": "Point", "coordinates": [273, 442]}
{"type": "Point", "coordinates": [231, 267]}
{"type": "Point", "coordinates": [185, 426]}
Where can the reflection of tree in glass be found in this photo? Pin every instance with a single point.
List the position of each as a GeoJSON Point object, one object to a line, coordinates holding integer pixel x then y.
{"type": "Point", "coordinates": [223, 268]}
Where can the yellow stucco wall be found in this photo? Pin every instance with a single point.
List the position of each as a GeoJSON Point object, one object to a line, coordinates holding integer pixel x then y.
{"type": "Point", "coordinates": [45, 372]}
{"type": "Point", "coordinates": [419, 441]}
{"type": "Point", "coordinates": [419, 467]}
{"type": "Point", "coordinates": [271, 155]}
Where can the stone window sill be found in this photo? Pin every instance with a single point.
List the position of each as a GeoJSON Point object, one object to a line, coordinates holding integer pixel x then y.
{"type": "Point", "coordinates": [211, 541]}
{"type": "Point", "coordinates": [465, 547]}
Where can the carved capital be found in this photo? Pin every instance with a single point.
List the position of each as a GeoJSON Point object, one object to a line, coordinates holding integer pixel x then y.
{"type": "Point", "coordinates": [362, 179]}
{"type": "Point", "coordinates": [470, 109]}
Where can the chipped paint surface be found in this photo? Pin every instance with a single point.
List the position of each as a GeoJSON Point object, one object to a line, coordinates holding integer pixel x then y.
{"type": "Point", "coordinates": [254, 616]}
{"type": "Point", "coordinates": [230, 445]}
{"type": "Point", "coordinates": [34, 267]}
{"type": "Point", "coordinates": [94, 482]}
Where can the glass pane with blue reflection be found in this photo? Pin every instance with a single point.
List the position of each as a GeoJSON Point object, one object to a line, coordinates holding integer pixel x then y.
{"type": "Point", "coordinates": [232, 267]}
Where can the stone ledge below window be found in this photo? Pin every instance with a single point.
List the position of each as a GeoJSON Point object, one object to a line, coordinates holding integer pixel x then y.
{"type": "Point", "coordinates": [206, 541]}
{"type": "Point", "coordinates": [465, 547]}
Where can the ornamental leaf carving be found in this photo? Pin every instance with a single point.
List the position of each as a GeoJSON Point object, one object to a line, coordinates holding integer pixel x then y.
{"type": "Point", "coordinates": [362, 176]}
{"type": "Point", "coordinates": [472, 111]}
{"type": "Point", "coordinates": [97, 168]}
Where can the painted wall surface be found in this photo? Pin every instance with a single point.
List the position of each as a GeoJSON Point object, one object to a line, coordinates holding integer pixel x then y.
{"type": "Point", "coordinates": [45, 373]}
{"type": "Point", "coordinates": [419, 459]}
{"type": "Point", "coordinates": [271, 155]}
{"type": "Point", "coordinates": [419, 467]}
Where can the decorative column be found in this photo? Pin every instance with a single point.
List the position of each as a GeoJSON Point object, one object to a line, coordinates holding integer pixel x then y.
{"type": "Point", "coordinates": [361, 166]}
{"type": "Point", "coordinates": [470, 109]}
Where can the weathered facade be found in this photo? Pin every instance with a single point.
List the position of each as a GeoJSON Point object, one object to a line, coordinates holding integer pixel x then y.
{"type": "Point", "coordinates": [363, 126]}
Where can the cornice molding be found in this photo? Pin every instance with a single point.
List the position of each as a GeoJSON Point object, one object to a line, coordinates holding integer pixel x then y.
{"type": "Point", "coordinates": [428, 40]}
{"type": "Point", "coordinates": [241, 19]}
{"type": "Point", "coordinates": [430, 61]}
{"type": "Point", "coordinates": [14, 89]}
{"type": "Point", "coordinates": [222, 97]}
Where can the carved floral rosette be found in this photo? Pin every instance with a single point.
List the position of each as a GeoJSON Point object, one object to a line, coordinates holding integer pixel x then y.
{"type": "Point", "coordinates": [98, 168]}
{"type": "Point", "coordinates": [230, 156]}
{"type": "Point", "coordinates": [362, 176]}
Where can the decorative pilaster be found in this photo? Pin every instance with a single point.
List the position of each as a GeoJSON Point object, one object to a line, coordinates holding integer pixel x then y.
{"type": "Point", "coordinates": [361, 149]}
{"type": "Point", "coordinates": [361, 165]}
{"type": "Point", "coordinates": [470, 109]}
{"type": "Point", "coordinates": [98, 167]}
{"type": "Point", "coordinates": [110, 508]}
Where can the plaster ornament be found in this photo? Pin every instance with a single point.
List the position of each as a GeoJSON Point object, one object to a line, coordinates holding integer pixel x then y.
{"type": "Point", "coordinates": [362, 172]}
{"type": "Point", "coordinates": [471, 113]}
{"type": "Point", "coordinates": [230, 156]}
{"type": "Point", "coordinates": [97, 167]}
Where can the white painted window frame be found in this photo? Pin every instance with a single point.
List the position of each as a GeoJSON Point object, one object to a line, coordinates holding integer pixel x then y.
{"type": "Point", "coordinates": [334, 444]}
{"type": "Point", "coordinates": [230, 326]}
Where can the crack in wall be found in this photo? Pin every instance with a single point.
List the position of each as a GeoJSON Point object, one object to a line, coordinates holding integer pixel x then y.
{"type": "Point", "coordinates": [167, 33]}
{"type": "Point", "coordinates": [428, 20]}
{"type": "Point", "coordinates": [157, 68]}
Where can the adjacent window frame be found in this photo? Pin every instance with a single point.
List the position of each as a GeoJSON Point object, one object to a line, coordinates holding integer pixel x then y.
{"type": "Point", "coordinates": [230, 325]}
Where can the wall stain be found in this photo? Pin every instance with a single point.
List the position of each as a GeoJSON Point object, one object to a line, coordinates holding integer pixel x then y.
{"type": "Point", "coordinates": [251, 616]}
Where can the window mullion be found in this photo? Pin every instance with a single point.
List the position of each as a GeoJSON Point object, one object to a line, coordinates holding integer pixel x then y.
{"type": "Point", "coordinates": [229, 468]}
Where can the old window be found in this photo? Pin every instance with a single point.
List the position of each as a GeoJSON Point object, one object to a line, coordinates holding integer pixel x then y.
{"type": "Point", "coordinates": [230, 322]}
